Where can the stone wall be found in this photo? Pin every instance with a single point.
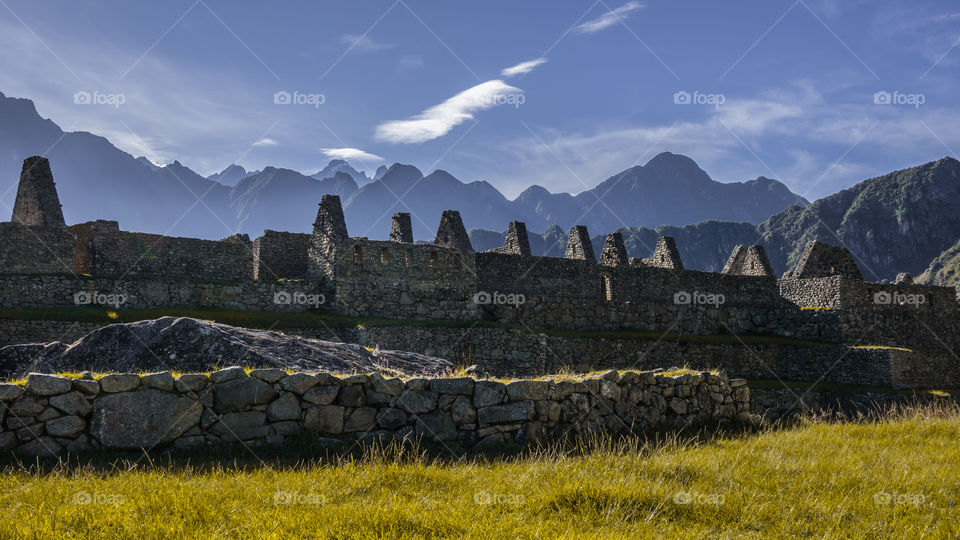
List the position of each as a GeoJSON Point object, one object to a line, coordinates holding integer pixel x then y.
{"type": "Point", "coordinates": [280, 255]}
{"type": "Point", "coordinates": [407, 281]}
{"type": "Point", "coordinates": [122, 253]}
{"type": "Point", "coordinates": [35, 249]}
{"type": "Point", "coordinates": [49, 415]}
{"type": "Point", "coordinates": [33, 291]}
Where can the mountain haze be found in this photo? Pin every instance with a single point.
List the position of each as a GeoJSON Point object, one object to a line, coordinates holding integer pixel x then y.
{"type": "Point", "coordinates": [96, 180]}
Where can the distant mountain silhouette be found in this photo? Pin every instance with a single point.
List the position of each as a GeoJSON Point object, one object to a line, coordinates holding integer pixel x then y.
{"type": "Point", "coordinates": [341, 166]}
{"type": "Point", "coordinates": [904, 221]}
{"type": "Point", "coordinates": [231, 176]}
{"type": "Point", "coordinates": [98, 181]}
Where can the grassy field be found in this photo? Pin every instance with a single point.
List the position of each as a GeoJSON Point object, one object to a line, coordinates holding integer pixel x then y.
{"type": "Point", "coordinates": [894, 478]}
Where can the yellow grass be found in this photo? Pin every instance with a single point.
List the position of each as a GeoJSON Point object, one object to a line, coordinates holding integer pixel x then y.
{"type": "Point", "coordinates": [893, 478]}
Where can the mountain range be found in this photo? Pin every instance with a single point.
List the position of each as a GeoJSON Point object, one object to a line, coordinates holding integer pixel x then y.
{"type": "Point", "coordinates": [96, 180]}
{"type": "Point", "coordinates": [903, 221]}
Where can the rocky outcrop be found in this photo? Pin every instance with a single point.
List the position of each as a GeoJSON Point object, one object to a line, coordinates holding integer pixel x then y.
{"type": "Point", "coordinates": [184, 344]}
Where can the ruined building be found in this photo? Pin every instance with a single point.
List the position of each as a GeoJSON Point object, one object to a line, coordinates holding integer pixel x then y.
{"type": "Point", "coordinates": [525, 302]}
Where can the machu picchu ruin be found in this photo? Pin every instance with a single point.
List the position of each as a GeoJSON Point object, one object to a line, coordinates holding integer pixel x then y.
{"type": "Point", "coordinates": [509, 312]}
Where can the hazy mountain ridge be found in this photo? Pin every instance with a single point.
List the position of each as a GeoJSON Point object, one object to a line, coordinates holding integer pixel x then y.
{"type": "Point", "coordinates": [897, 222]}
{"type": "Point", "coordinates": [98, 181]}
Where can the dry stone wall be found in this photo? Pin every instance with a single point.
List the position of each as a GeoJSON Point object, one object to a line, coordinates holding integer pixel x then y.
{"type": "Point", "coordinates": [32, 291]}
{"type": "Point", "coordinates": [50, 415]}
{"type": "Point", "coordinates": [36, 250]}
{"type": "Point", "coordinates": [122, 253]}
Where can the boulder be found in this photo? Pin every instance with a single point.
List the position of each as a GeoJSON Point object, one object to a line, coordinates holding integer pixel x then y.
{"type": "Point", "coordinates": [72, 403]}
{"type": "Point", "coordinates": [237, 395]}
{"type": "Point", "coordinates": [66, 426]}
{"type": "Point", "coordinates": [119, 382]}
{"type": "Point", "coordinates": [322, 395]}
{"type": "Point", "coordinates": [286, 407]}
{"type": "Point", "coordinates": [47, 385]}
{"type": "Point", "coordinates": [518, 411]}
{"type": "Point", "coordinates": [487, 393]}
{"type": "Point", "coordinates": [325, 419]}
{"type": "Point", "coordinates": [417, 401]}
{"type": "Point", "coordinates": [144, 418]}
{"type": "Point", "coordinates": [195, 346]}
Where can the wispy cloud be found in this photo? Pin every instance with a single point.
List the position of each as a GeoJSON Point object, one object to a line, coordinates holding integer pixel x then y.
{"type": "Point", "coordinates": [523, 67]}
{"type": "Point", "coordinates": [409, 62]}
{"type": "Point", "coordinates": [364, 43]}
{"type": "Point", "coordinates": [350, 153]}
{"type": "Point", "coordinates": [438, 120]}
{"type": "Point", "coordinates": [608, 19]}
{"type": "Point", "coordinates": [266, 141]}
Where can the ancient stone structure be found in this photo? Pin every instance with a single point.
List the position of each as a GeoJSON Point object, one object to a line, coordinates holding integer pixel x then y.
{"type": "Point", "coordinates": [823, 260]}
{"type": "Point", "coordinates": [401, 230]}
{"type": "Point", "coordinates": [37, 203]}
{"type": "Point", "coordinates": [823, 301]}
{"type": "Point", "coordinates": [579, 245]}
{"type": "Point", "coordinates": [748, 261]}
{"type": "Point", "coordinates": [50, 415]}
{"type": "Point", "coordinates": [614, 251]}
{"type": "Point", "coordinates": [517, 242]}
{"type": "Point", "coordinates": [451, 233]}
{"type": "Point", "coordinates": [665, 255]}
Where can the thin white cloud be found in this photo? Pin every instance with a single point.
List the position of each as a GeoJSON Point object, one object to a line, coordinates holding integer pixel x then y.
{"type": "Point", "coordinates": [350, 153]}
{"type": "Point", "coordinates": [438, 120]}
{"type": "Point", "coordinates": [409, 62]}
{"type": "Point", "coordinates": [608, 19]}
{"type": "Point", "coordinates": [364, 43]}
{"type": "Point", "coordinates": [266, 141]}
{"type": "Point", "coordinates": [523, 67]}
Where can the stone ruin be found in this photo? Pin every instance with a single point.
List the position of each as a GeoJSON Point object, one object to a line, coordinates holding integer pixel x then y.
{"type": "Point", "coordinates": [46, 263]}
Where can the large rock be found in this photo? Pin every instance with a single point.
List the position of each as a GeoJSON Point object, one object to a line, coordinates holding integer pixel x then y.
{"type": "Point", "coordinates": [238, 394]}
{"type": "Point", "coordinates": [518, 411]}
{"type": "Point", "coordinates": [47, 385]}
{"type": "Point", "coordinates": [417, 401]}
{"type": "Point", "coordinates": [325, 419]}
{"type": "Point", "coordinates": [72, 403]}
{"type": "Point", "coordinates": [65, 426]}
{"type": "Point", "coordinates": [191, 345]}
{"type": "Point", "coordinates": [144, 418]}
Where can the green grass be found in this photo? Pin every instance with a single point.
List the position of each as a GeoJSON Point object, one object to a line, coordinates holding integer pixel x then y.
{"type": "Point", "coordinates": [814, 479]}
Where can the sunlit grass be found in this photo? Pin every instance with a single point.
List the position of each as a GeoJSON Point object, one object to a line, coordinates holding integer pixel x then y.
{"type": "Point", "coordinates": [893, 478]}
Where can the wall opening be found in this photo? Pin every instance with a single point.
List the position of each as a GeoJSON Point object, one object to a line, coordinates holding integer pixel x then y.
{"type": "Point", "coordinates": [434, 262]}
{"type": "Point", "coordinates": [409, 257]}
{"type": "Point", "coordinates": [358, 254]}
{"type": "Point", "coordinates": [384, 256]}
{"type": "Point", "coordinates": [606, 288]}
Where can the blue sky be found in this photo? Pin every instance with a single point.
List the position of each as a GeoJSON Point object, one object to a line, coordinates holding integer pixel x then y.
{"type": "Point", "coordinates": [784, 89]}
